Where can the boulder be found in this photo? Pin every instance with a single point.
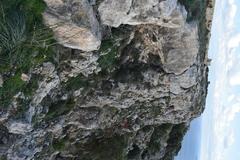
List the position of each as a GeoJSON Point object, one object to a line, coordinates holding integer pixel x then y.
{"type": "Point", "coordinates": [74, 24]}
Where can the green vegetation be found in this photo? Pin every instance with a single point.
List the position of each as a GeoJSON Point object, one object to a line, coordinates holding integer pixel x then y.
{"type": "Point", "coordinates": [3, 158]}
{"type": "Point", "coordinates": [24, 43]}
{"type": "Point", "coordinates": [31, 86]}
{"type": "Point", "coordinates": [105, 147]}
{"type": "Point", "coordinates": [187, 3]}
{"type": "Point", "coordinates": [159, 133]}
{"type": "Point", "coordinates": [194, 8]}
{"type": "Point", "coordinates": [172, 133]}
{"type": "Point", "coordinates": [76, 83]}
{"type": "Point", "coordinates": [175, 141]}
{"type": "Point", "coordinates": [108, 51]}
{"type": "Point", "coordinates": [111, 48]}
{"type": "Point", "coordinates": [59, 144]}
{"type": "Point", "coordinates": [10, 87]}
{"type": "Point", "coordinates": [60, 108]}
{"type": "Point", "coordinates": [24, 40]}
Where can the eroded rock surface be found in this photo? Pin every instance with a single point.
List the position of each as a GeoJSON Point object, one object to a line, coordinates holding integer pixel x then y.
{"type": "Point", "coordinates": [74, 24]}
{"type": "Point", "coordinates": [131, 99]}
{"type": "Point", "coordinates": [164, 13]}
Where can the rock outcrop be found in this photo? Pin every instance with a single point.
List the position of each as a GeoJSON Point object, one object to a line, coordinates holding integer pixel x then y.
{"type": "Point", "coordinates": [128, 78]}
{"type": "Point", "coordinates": [74, 23]}
{"type": "Point", "coordinates": [167, 13]}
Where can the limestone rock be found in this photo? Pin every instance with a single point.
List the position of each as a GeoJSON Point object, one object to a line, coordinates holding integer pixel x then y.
{"type": "Point", "coordinates": [184, 54]}
{"type": "Point", "coordinates": [25, 77]}
{"type": "Point", "coordinates": [74, 24]}
{"type": "Point", "coordinates": [131, 99]}
{"type": "Point", "coordinates": [86, 65]}
{"type": "Point", "coordinates": [164, 13]}
{"type": "Point", "coordinates": [177, 48]}
{"type": "Point", "coordinates": [19, 128]}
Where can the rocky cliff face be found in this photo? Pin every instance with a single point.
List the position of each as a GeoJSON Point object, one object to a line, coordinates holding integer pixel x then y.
{"type": "Point", "coordinates": [126, 79]}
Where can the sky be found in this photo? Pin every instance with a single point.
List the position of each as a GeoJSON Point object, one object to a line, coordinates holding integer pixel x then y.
{"type": "Point", "coordinates": [221, 119]}
{"type": "Point", "coordinates": [219, 126]}
{"type": "Point", "coordinates": [191, 143]}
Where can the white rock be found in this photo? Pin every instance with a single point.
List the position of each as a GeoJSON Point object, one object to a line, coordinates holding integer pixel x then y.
{"type": "Point", "coordinates": [25, 77]}
{"type": "Point", "coordinates": [19, 128]}
{"type": "Point", "coordinates": [163, 13]}
{"type": "Point", "coordinates": [185, 49]}
{"type": "Point", "coordinates": [74, 24]}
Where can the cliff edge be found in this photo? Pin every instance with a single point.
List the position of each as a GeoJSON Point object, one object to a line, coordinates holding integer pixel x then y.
{"type": "Point", "coordinates": [111, 79]}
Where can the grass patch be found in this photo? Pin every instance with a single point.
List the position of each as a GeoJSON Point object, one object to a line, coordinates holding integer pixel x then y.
{"type": "Point", "coordinates": [24, 40]}
{"type": "Point", "coordinates": [10, 88]}
{"type": "Point", "coordinates": [15, 84]}
{"type": "Point", "coordinates": [24, 43]}
{"type": "Point", "coordinates": [31, 86]}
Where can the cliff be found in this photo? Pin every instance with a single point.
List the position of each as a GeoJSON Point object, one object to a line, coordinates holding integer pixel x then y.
{"type": "Point", "coordinates": [101, 79]}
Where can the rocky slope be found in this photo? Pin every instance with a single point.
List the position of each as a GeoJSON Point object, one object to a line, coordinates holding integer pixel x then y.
{"type": "Point", "coordinates": [126, 79]}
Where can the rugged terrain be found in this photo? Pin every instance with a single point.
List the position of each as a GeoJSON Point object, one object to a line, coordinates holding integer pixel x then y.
{"type": "Point", "coordinates": [101, 79]}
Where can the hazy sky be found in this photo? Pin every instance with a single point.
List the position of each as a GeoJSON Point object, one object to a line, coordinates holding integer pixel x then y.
{"type": "Point", "coordinates": [220, 123]}
{"type": "Point", "coordinates": [221, 120]}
